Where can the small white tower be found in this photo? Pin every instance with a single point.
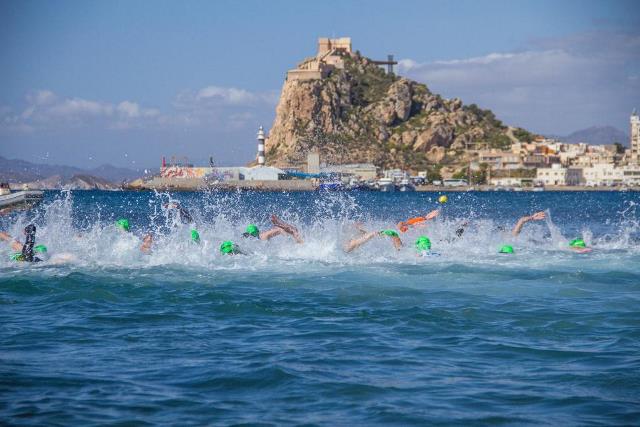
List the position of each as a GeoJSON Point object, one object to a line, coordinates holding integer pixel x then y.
{"type": "Point", "coordinates": [260, 146]}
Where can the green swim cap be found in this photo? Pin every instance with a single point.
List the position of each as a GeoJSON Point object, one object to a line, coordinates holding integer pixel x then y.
{"type": "Point", "coordinates": [577, 243]}
{"type": "Point", "coordinates": [506, 249]}
{"type": "Point", "coordinates": [123, 224]}
{"type": "Point", "coordinates": [17, 256]}
{"type": "Point", "coordinates": [195, 236]}
{"type": "Point", "coordinates": [252, 229]}
{"type": "Point", "coordinates": [228, 248]}
{"type": "Point", "coordinates": [390, 233]}
{"type": "Point", "coordinates": [40, 248]}
{"type": "Point", "coordinates": [423, 243]}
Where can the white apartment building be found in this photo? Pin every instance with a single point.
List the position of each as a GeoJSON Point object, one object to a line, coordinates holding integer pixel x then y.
{"type": "Point", "coordinates": [631, 175]}
{"type": "Point", "coordinates": [602, 174]}
{"type": "Point", "coordinates": [635, 137]}
{"type": "Point", "coordinates": [558, 175]}
{"type": "Point", "coordinates": [500, 159]}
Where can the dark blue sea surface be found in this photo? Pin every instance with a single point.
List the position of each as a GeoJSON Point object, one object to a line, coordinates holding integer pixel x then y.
{"type": "Point", "coordinates": [102, 334]}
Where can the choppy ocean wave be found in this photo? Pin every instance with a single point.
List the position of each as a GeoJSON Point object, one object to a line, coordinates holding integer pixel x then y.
{"type": "Point", "coordinates": [307, 334]}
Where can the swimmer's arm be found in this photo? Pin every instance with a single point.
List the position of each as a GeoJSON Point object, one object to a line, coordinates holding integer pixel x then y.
{"type": "Point", "coordinates": [356, 243]}
{"type": "Point", "coordinates": [15, 243]}
{"type": "Point", "coordinates": [287, 228]}
{"type": "Point", "coordinates": [417, 221]}
{"type": "Point", "coordinates": [147, 241]}
{"type": "Point", "coordinates": [185, 216]}
{"type": "Point", "coordinates": [432, 215]}
{"type": "Point", "coordinates": [522, 221]}
{"type": "Point", "coordinates": [461, 228]}
{"type": "Point", "coordinates": [397, 243]}
{"type": "Point", "coordinates": [266, 235]}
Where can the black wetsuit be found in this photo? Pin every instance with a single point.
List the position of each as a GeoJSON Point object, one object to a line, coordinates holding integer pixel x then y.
{"type": "Point", "coordinates": [185, 216]}
{"type": "Point", "coordinates": [27, 248]}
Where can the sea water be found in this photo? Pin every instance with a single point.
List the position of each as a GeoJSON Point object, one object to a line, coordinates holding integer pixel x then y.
{"type": "Point", "coordinates": [309, 335]}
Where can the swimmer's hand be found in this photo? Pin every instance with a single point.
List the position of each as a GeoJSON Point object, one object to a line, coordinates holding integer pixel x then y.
{"type": "Point", "coordinates": [538, 216]}
{"type": "Point", "coordinates": [360, 227]}
{"type": "Point", "coordinates": [433, 214]}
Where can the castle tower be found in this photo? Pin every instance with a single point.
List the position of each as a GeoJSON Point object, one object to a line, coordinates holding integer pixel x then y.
{"type": "Point", "coordinates": [635, 137]}
{"type": "Point", "coordinates": [260, 146]}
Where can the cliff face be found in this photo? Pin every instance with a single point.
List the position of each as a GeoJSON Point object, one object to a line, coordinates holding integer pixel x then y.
{"type": "Point", "coordinates": [361, 114]}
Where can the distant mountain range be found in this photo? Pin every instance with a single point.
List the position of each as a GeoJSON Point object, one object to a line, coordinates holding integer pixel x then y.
{"type": "Point", "coordinates": [597, 135]}
{"type": "Point", "coordinates": [18, 171]}
{"type": "Point", "coordinates": [76, 182]}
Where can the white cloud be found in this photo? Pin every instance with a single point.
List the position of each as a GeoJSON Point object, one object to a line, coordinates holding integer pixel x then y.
{"type": "Point", "coordinates": [222, 107]}
{"type": "Point", "coordinates": [230, 95]}
{"type": "Point", "coordinates": [41, 97]}
{"type": "Point", "coordinates": [132, 110]}
{"type": "Point", "coordinates": [46, 111]}
{"type": "Point", "coordinates": [216, 96]}
{"type": "Point", "coordinates": [209, 107]}
{"type": "Point", "coordinates": [553, 86]}
{"type": "Point", "coordinates": [77, 107]}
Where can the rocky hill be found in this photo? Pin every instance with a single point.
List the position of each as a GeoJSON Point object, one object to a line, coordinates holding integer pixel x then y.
{"type": "Point", "coordinates": [359, 113]}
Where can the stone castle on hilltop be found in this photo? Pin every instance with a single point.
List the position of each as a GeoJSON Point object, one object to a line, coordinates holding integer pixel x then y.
{"type": "Point", "coordinates": [329, 57]}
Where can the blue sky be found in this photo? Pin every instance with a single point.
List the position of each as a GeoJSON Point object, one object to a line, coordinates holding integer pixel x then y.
{"type": "Point", "coordinates": [90, 82]}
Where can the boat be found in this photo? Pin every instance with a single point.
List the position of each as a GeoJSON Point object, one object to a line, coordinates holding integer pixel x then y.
{"type": "Point", "coordinates": [24, 199]}
{"type": "Point", "coordinates": [406, 185]}
{"type": "Point", "coordinates": [386, 185]}
{"type": "Point", "coordinates": [331, 186]}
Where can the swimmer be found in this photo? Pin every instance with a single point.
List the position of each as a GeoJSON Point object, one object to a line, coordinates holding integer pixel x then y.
{"type": "Point", "coordinates": [506, 249]}
{"type": "Point", "coordinates": [578, 245]}
{"type": "Point", "coordinates": [538, 216]}
{"type": "Point", "coordinates": [461, 229]}
{"type": "Point", "coordinates": [366, 236]}
{"type": "Point", "coordinates": [280, 227]}
{"type": "Point", "coordinates": [185, 216]}
{"type": "Point", "coordinates": [122, 224]}
{"type": "Point", "coordinates": [147, 240]}
{"type": "Point", "coordinates": [417, 221]}
{"type": "Point", "coordinates": [29, 252]}
{"type": "Point", "coordinates": [229, 248]}
{"type": "Point", "coordinates": [423, 246]}
{"type": "Point", "coordinates": [15, 243]}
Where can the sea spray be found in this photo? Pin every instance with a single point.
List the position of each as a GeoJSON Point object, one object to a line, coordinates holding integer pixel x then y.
{"type": "Point", "coordinates": [185, 335]}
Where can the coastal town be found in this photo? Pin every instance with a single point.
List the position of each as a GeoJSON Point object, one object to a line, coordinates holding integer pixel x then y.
{"type": "Point", "coordinates": [541, 163]}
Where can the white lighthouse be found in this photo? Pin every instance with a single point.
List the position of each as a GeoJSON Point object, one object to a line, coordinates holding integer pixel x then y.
{"type": "Point", "coordinates": [260, 146]}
